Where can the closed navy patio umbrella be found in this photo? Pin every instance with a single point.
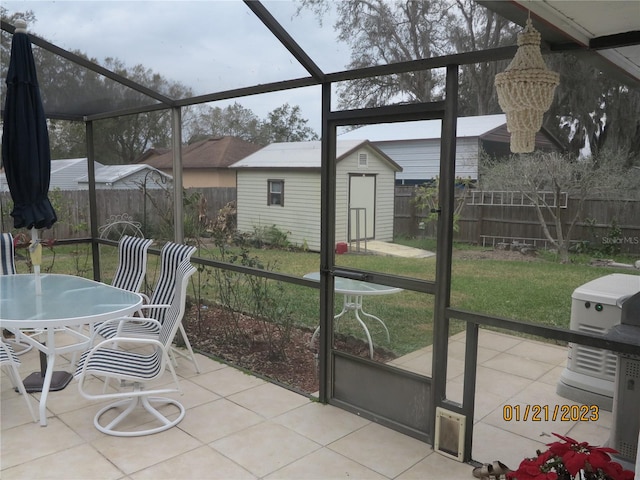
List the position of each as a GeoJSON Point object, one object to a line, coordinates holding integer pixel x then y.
{"type": "Point", "coordinates": [27, 164]}
{"type": "Point", "coordinates": [25, 141]}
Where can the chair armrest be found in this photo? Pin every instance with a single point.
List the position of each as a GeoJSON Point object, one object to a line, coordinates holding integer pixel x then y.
{"type": "Point", "coordinates": [120, 322]}
{"type": "Point", "coordinates": [149, 307]}
{"type": "Point", "coordinates": [106, 344]}
{"type": "Point", "coordinates": [154, 305]}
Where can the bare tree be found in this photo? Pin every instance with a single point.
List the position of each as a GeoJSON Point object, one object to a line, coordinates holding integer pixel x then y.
{"type": "Point", "coordinates": [545, 178]}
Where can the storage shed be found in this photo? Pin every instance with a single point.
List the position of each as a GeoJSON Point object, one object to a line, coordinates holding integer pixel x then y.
{"type": "Point", "coordinates": [279, 186]}
{"type": "Point", "coordinates": [415, 146]}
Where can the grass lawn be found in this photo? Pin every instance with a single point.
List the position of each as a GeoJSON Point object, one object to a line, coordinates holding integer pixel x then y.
{"type": "Point", "coordinates": [538, 291]}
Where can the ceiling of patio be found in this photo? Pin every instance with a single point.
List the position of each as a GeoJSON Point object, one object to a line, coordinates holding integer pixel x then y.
{"type": "Point", "coordinates": [607, 31]}
{"type": "Point", "coordinates": [234, 52]}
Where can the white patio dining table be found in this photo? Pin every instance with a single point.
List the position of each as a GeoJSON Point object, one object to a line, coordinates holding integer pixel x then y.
{"type": "Point", "coordinates": [353, 292]}
{"type": "Point", "coordinates": [65, 302]}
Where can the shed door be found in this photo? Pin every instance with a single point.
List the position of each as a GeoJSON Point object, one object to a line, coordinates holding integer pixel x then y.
{"type": "Point", "coordinates": [362, 207]}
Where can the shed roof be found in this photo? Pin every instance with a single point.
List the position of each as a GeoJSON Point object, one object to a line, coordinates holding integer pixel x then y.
{"type": "Point", "coordinates": [305, 155]}
{"type": "Point", "coordinates": [426, 129]}
{"type": "Point", "coordinates": [210, 153]}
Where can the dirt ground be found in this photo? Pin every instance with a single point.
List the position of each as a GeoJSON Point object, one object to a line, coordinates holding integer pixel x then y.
{"type": "Point", "coordinates": [296, 367]}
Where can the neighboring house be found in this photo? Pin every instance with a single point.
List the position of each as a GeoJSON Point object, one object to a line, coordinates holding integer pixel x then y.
{"type": "Point", "coordinates": [205, 163]}
{"type": "Point", "coordinates": [415, 146]}
{"type": "Point", "coordinates": [280, 185]}
{"type": "Point", "coordinates": [71, 174]}
{"type": "Point", "coordinates": [64, 174]}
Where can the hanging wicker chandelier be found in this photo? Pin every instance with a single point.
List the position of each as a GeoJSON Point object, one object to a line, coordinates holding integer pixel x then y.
{"type": "Point", "coordinates": [525, 90]}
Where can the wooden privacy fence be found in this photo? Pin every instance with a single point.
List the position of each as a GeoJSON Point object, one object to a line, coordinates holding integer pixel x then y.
{"type": "Point", "coordinates": [503, 219]}
{"type": "Point", "coordinates": [482, 224]}
{"type": "Point", "coordinates": [151, 211]}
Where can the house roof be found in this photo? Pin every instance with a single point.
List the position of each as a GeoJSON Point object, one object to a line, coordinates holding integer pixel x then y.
{"type": "Point", "coordinates": [210, 153]}
{"type": "Point", "coordinates": [113, 173]}
{"type": "Point", "coordinates": [59, 165]}
{"type": "Point", "coordinates": [68, 172]}
{"type": "Point", "coordinates": [305, 155]}
{"type": "Point", "coordinates": [426, 129]}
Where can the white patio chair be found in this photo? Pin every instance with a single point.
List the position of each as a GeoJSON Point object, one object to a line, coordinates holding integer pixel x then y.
{"type": "Point", "coordinates": [8, 267]}
{"type": "Point", "coordinates": [137, 367]}
{"type": "Point", "coordinates": [9, 359]}
{"type": "Point", "coordinates": [171, 255]}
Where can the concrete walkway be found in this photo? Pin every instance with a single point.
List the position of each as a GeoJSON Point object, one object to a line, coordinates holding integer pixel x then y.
{"type": "Point", "coordinates": [395, 250]}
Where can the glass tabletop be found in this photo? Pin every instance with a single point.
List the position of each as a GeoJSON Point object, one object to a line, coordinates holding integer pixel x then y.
{"type": "Point", "coordinates": [65, 300]}
{"type": "Point", "coordinates": [356, 287]}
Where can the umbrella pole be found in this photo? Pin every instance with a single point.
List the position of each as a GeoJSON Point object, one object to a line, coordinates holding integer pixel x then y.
{"type": "Point", "coordinates": [35, 250]}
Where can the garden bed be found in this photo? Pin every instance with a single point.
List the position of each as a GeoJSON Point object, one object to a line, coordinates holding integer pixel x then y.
{"type": "Point", "coordinates": [296, 367]}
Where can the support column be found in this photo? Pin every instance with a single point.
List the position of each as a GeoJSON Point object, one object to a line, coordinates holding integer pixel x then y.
{"type": "Point", "coordinates": [444, 240]}
{"type": "Point", "coordinates": [327, 240]}
{"type": "Point", "coordinates": [93, 203]}
{"type": "Point", "coordinates": [178, 208]}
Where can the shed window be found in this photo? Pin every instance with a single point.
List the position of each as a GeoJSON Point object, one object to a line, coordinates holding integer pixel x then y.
{"type": "Point", "coordinates": [276, 192]}
{"type": "Point", "coordinates": [363, 160]}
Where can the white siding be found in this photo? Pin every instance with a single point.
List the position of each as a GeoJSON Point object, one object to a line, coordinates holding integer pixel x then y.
{"type": "Point", "coordinates": [420, 159]}
{"type": "Point", "coordinates": [65, 173]}
{"type": "Point", "coordinates": [300, 215]}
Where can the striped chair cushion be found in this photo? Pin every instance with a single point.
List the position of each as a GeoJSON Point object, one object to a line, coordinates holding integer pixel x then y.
{"type": "Point", "coordinates": [172, 255]}
{"type": "Point", "coordinates": [130, 329]}
{"type": "Point", "coordinates": [7, 355]}
{"type": "Point", "coordinates": [132, 263]}
{"type": "Point", "coordinates": [7, 262]}
{"type": "Point", "coordinates": [122, 364]}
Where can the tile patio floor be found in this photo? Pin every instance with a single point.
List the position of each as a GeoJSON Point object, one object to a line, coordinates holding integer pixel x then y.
{"type": "Point", "coordinates": [240, 427]}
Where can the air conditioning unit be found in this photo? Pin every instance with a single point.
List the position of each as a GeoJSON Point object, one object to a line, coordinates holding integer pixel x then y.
{"type": "Point", "coordinates": [590, 374]}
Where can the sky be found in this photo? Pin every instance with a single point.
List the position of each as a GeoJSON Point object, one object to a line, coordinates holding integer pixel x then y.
{"type": "Point", "coordinates": [207, 45]}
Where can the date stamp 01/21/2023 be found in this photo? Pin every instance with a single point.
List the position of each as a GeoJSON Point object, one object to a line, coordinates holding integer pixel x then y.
{"type": "Point", "coordinates": [550, 413]}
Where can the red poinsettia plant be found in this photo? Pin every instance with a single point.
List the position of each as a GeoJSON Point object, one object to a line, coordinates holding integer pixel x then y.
{"type": "Point", "coordinates": [569, 460]}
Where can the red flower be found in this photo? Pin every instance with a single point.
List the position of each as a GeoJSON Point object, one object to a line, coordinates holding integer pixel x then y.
{"type": "Point", "coordinates": [615, 471]}
{"type": "Point", "coordinates": [534, 469]}
{"type": "Point", "coordinates": [563, 460]}
{"type": "Point", "coordinates": [598, 458]}
{"type": "Point", "coordinates": [531, 469]}
{"type": "Point", "coordinates": [574, 461]}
